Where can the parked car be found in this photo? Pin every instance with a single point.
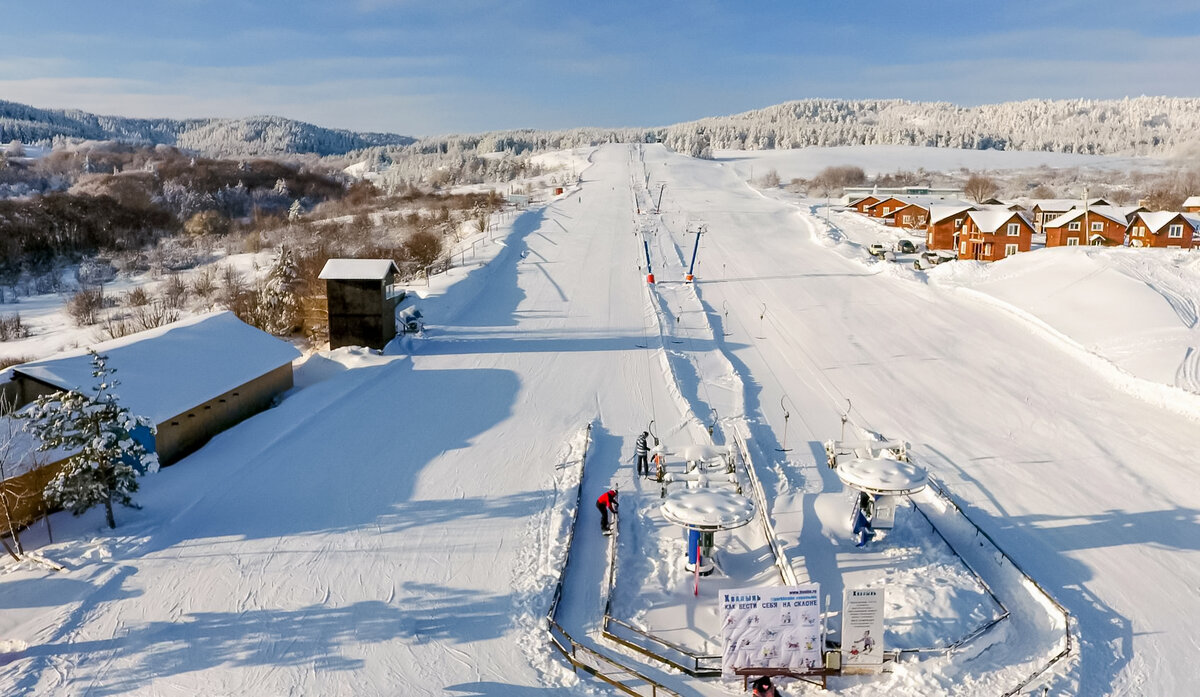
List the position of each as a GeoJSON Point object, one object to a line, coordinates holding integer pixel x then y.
{"type": "Point", "coordinates": [906, 247]}
{"type": "Point", "coordinates": [933, 257]}
{"type": "Point", "coordinates": [877, 250]}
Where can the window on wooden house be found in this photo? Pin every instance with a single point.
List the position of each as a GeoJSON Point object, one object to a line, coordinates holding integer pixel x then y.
{"type": "Point", "coordinates": [1175, 230]}
{"type": "Point", "coordinates": [1098, 226]}
{"type": "Point", "coordinates": [1014, 229]}
{"type": "Point", "coordinates": [1073, 226]}
{"type": "Point", "coordinates": [1072, 241]}
{"type": "Point", "coordinates": [1010, 249]}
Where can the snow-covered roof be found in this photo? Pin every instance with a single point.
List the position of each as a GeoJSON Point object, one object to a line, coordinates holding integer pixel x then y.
{"type": "Point", "coordinates": [939, 213]}
{"type": "Point", "coordinates": [165, 371]}
{"type": "Point", "coordinates": [1191, 201]}
{"type": "Point", "coordinates": [1117, 214]}
{"type": "Point", "coordinates": [1157, 220]}
{"type": "Point", "coordinates": [923, 201]}
{"type": "Point", "coordinates": [990, 221]}
{"type": "Point", "coordinates": [1063, 204]}
{"type": "Point", "coordinates": [358, 269]}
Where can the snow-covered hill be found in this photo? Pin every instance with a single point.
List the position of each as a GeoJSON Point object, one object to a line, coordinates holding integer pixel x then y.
{"type": "Point", "coordinates": [252, 136]}
{"type": "Point", "coordinates": [396, 524]}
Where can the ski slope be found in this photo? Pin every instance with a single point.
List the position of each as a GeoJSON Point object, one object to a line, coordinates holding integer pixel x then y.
{"type": "Point", "coordinates": [397, 524]}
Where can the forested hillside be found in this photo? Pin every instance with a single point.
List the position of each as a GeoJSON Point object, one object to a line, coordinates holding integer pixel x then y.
{"type": "Point", "coordinates": [1142, 126]}
{"type": "Point", "coordinates": [253, 136]}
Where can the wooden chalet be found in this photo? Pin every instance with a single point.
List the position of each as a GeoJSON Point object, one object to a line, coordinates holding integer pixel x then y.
{"type": "Point", "coordinates": [1047, 209]}
{"type": "Point", "coordinates": [994, 234]}
{"type": "Point", "coordinates": [863, 203]}
{"type": "Point", "coordinates": [945, 222]}
{"type": "Point", "coordinates": [1095, 225]}
{"type": "Point", "coordinates": [1163, 229]}
{"type": "Point", "coordinates": [1192, 204]}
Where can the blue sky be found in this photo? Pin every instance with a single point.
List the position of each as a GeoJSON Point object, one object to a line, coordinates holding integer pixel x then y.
{"type": "Point", "coordinates": [422, 67]}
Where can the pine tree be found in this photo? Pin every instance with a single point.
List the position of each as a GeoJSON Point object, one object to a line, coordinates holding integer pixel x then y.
{"type": "Point", "coordinates": [97, 429]}
{"type": "Point", "coordinates": [295, 211]}
{"type": "Point", "coordinates": [278, 304]}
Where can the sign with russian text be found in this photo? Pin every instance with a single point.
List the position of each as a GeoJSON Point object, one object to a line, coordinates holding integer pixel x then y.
{"type": "Point", "coordinates": [777, 628]}
{"type": "Point", "coordinates": [862, 630]}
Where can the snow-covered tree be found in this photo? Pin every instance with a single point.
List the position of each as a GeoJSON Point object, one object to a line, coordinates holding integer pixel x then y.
{"type": "Point", "coordinates": [107, 459]}
{"type": "Point", "coordinates": [278, 305]}
{"type": "Point", "coordinates": [295, 211]}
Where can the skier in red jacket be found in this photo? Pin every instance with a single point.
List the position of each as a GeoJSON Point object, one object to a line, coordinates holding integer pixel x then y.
{"type": "Point", "coordinates": [607, 502]}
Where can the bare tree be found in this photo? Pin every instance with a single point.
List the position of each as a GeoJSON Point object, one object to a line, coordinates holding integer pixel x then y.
{"type": "Point", "coordinates": [980, 188]}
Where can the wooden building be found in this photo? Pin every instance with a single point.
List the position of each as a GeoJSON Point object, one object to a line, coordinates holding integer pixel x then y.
{"type": "Point", "coordinates": [1163, 229]}
{"type": "Point", "coordinates": [912, 216]}
{"type": "Point", "coordinates": [862, 204]}
{"type": "Point", "coordinates": [1096, 225]}
{"type": "Point", "coordinates": [1192, 204]}
{"type": "Point", "coordinates": [193, 379]}
{"type": "Point", "coordinates": [994, 234]}
{"type": "Point", "coordinates": [362, 299]}
{"type": "Point", "coordinates": [885, 207]}
{"type": "Point", "coordinates": [945, 222]}
{"type": "Point", "coordinates": [1047, 209]}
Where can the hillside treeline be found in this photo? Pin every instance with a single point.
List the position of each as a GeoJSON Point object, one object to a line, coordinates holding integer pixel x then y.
{"type": "Point", "coordinates": [1159, 126]}
{"type": "Point", "coordinates": [114, 197]}
{"type": "Point", "coordinates": [247, 137]}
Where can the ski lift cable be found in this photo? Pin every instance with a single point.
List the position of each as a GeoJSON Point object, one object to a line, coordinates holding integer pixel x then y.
{"type": "Point", "coordinates": [835, 395]}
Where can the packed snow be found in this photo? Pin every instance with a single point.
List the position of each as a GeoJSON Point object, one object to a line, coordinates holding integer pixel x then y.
{"type": "Point", "coordinates": [398, 523]}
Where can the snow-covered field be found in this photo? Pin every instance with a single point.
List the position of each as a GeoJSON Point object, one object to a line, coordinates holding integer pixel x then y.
{"type": "Point", "coordinates": [396, 524]}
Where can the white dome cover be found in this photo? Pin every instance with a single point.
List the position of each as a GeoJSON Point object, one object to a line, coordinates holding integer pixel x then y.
{"type": "Point", "coordinates": [701, 451]}
{"type": "Point", "coordinates": [708, 509]}
{"type": "Point", "coordinates": [882, 475]}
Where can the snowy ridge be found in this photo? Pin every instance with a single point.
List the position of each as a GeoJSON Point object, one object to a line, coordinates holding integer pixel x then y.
{"type": "Point", "coordinates": [256, 135]}
{"type": "Point", "coordinates": [1166, 397]}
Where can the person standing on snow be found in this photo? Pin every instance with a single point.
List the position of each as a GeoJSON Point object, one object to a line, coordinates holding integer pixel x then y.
{"type": "Point", "coordinates": [607, 502]}
{"type": "Point", "coordinates": [642, 451]}
{"type": "Point", "coordinates": [863, 530]}
{"type": "Point", "coordinates": [763, 687]}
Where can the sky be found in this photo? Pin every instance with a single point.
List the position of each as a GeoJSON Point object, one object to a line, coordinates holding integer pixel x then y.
{"type": "Point", "coordinates": [420, 67]}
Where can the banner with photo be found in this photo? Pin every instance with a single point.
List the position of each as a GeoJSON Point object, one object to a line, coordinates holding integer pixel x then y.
{"type": "Point", "coordinates": [777, 628]}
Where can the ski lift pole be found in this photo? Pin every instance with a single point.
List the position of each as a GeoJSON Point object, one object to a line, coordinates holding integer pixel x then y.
{"type": "Point", "coordinates": [649, 271]}
{"type": "Point", "coordinates": [786, 416]}
{"type": "Point", "coordinates": [695, 250]}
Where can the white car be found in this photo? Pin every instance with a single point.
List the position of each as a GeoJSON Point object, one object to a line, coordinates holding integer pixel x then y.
{"type": "Point", "coordinates": [877, 250]}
